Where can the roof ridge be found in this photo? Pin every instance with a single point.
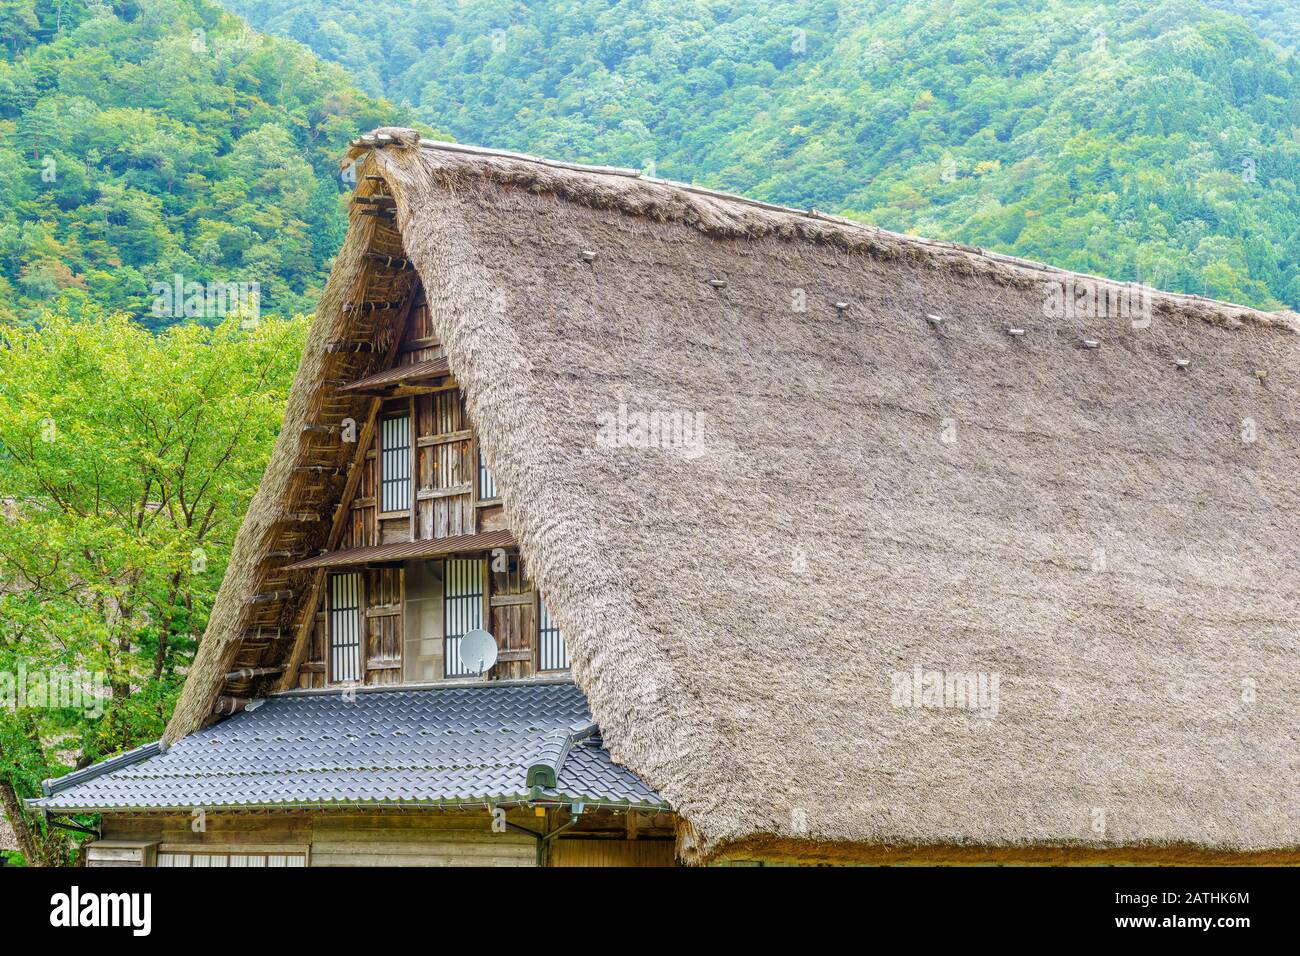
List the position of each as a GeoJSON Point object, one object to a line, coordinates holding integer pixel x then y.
{"type": "Point", "coordinates": [396, 136]}
{"type": "Point", "coordinates": [544, 771]}
{"type": "Point", "coordinates": [53, 785]}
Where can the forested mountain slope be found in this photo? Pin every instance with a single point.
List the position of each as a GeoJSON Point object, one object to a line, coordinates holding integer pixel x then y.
{"type": "Point", "coordinates": [1278, 20]}
{"type": "Point", "coordinates": [1154, 141]}
{"type": "Point", "coordinates": [156, 138]}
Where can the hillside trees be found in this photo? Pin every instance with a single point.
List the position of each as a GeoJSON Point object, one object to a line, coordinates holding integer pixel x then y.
{"type": "Point", "coordinates": [127, 460]}
{"type": "Point", "coordinates": [1111, 136]}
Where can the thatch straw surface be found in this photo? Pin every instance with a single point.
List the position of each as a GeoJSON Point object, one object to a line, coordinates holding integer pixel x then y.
{"type": "Point", "coordinates": [1110, 537]}
{"type": "Point", "coordinates": [8, 841]}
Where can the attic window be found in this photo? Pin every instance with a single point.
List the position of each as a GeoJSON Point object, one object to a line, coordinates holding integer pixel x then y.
{"type": "Point", "coordinates": [395, 465]}
{"type": "Point", "coordinates": [487, 484]}
{"type": "Point", "coordinates": [345, 627]}
{"type": "Point", "coordinates": [552, 655]}
{"type": "Point", "coordinates": [462, 609]}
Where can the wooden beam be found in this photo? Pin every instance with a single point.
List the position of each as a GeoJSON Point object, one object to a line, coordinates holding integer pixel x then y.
{"type": "Point", "coordinates": [434, 494]}
{"type": "Point", "coordinates": [425, 441]}
{"type": "Point", "coordinates": [248, 673]}
{"type": "Point", "coordinates": [270, 597]}
{"type": "Point", "coordinates": [339, 346]}
{"type": "Point", "coordinates": [445, 383]}
{"type": "Point", "coordinates": [414, 345]}
{"type": "Point", "coordinates": [300, 517]}
{"type": "Point", "coordinates": [368, 307]}
{"type": "Point", "coordinates": [225, 706]}
{"type": "Point", "coordinates": [283, 555]}
{"type": "Point", "coordinates": [389, 262]}
{"type": "Point", "coordinates": [409, 391]}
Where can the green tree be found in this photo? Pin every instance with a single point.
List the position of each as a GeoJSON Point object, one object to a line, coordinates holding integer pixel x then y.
{"type": "Point", "coordinates": [127, 461]}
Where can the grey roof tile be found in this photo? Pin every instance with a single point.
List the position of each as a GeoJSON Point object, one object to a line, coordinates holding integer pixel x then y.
{"type": "Point", "coordinates": [399, 747]}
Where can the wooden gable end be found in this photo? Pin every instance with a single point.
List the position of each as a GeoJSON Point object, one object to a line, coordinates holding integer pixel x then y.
{"type": "Point", "coordinates": [445, 500]}
{"type": "Point", "coordinates": [377, 453]}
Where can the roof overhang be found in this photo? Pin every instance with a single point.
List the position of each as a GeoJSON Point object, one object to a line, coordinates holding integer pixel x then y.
{"type": "Point", "coordinates": [408, 551]}
{"type": "Point", "coordinates": [400, 375]}
{"type": "Point", "coordinates": [443, 747]}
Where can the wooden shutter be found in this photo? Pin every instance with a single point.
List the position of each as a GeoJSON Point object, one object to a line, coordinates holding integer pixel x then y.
{"type": "Point", "coordinates": [383, 624]}
{"type": "Point", "coordinates": [514, 618]}
{"type": "Point", "coordinates": [445, 467]}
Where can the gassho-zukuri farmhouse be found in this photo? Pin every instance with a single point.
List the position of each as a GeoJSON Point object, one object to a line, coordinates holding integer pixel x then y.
{"type": "Point", "coordinates": [794, 541]}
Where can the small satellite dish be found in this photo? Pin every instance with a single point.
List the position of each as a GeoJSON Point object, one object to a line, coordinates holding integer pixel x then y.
{"type": "Point", "coordinates": [478, 651]}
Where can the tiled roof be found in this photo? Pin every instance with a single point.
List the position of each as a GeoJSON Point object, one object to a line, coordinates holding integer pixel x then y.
{"type": "Point", "coordinates": [435, 746]}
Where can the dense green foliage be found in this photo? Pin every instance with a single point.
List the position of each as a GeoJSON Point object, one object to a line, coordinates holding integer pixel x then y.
{"type": "Point", "coordinates": [1278, 20]}
{"type": "Point", "coordinates": [128, 461]}
{"type": "Point", "coordinates": [1152, 141]}
{"type": "Point", "coordinates": [157, 138]}
{"type": "Point", "coordinates": [140, 142]}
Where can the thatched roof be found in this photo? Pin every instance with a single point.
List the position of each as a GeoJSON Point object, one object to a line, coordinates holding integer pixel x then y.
{"type": "Point", "coordinates": [885, 482]}
{"type": "Point", "coordinates": [8, 841]}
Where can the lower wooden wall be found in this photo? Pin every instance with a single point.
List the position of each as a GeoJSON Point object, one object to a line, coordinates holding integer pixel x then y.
{"type": "Point", "coordinates": [443, 840]}
{"type": "Point", "coordinates": [580, 852]}
{"type": "Point", "coordinates": [392, 838]}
